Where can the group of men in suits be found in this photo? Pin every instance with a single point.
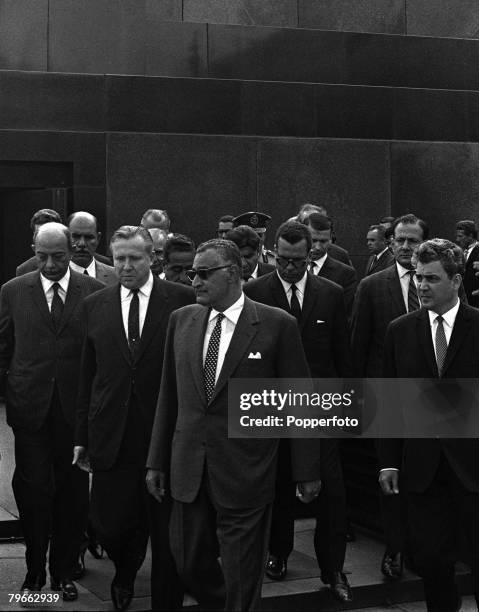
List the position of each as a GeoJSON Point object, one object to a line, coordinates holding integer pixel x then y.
{"type": "Point", "coordinates": [84, 348]}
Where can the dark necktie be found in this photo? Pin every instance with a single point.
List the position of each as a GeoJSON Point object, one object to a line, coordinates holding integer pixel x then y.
{"type": "Point", "coordinates": [57, 306]}
{"type": "Point", "coordinates": [412, 299]}
{"type": "Point", "coordinates": [134, 321]}
{"type": "Point", "coordinates": [373, 263]}
{"type": "Point", "coordinates": [312, 268]}
{"type": "Point", "coordinates": [211, 361]}
{"type": "Point", "coordinates": [441, 344]}
{"type": "Point", "coordinates": [294, 307]}
{"type": "Point", "coordinates": [85, 271]}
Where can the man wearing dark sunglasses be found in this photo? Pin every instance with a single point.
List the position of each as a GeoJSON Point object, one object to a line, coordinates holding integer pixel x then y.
{"type": "Point", "coordinates": [318, 305]}
{"type": "Point", "coordinates": [222, 487]}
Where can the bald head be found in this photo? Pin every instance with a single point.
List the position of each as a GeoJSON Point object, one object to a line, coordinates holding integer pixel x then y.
{"type": "Point", "coordinates": [53, 250]}
{"type": "Point", "coordinates": [85, 237]}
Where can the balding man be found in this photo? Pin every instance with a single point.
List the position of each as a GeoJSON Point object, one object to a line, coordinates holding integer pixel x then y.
{"type": "Point", "coordinates": [83, 227]}
{"type": "Point", "coordinates": [41, 337]}
{"type": "Point", "coordinates": [159, 238]}
{"type": "Point", "coordinates": [154, 217]}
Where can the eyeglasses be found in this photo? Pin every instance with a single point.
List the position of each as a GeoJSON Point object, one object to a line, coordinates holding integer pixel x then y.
{"type": "Point", "coordinates": [297, 263]}
{"type": "Point", "coordinates": [204, 273]}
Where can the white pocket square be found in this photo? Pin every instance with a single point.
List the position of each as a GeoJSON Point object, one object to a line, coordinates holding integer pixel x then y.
{"type": "Point", "coordinates": [320, 321]}
{"type": "Point", "coordinates": [254, 355]}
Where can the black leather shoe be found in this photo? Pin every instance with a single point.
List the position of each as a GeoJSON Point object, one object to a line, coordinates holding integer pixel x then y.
{"type": "Point", "coordinates": [67, 587]}
{"type": "Point", "coordinates": [392, 566]}
{"type": "Point", "coordinates": [339, 585]}
{"type": "Point", "coordinates": [32, 583]}
{"type": "Point", "coordinates": [121, 595]}
{"type": "Point", "coordinates": [276, 567]}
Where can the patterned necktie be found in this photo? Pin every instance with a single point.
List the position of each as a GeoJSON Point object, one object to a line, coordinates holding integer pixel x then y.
{"type": "Point", "coordinates": [57, 306]}
{"type": "Point", "coordinates": [313, 268]}
{"type": "Point", "coordinates": [211, 361]}
{"type": "Point", "coordinates": [294, 307]}
{"type": "Point", "coordinates": [134, 321]}
{"type": "Point", "coordinates": [441, 344]}
{"type": "Point", "coordinates": [412, 299]}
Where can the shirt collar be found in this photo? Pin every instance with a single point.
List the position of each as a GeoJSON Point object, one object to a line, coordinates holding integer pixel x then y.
{"type": "Point", "coordinates": [63, 282]}
{"type": "Point", "coordinates": [449, 316]}
{"type": "Point", "coordinates": [144, 289]}
{"type": "Point", "coordinates": [301, 284]}
{"type": "Point", "coordinates": [382, 253]}
{"type": "Point", "coordinates": [254, 274]}
{"type": "Point", "coordinates": [232, 313]}
{"type": "Point", "coordinates": [91, 268]}
{"type": "Point", "coordinates": [402, 271]}
{"type": "Point", "coordinates": [319, 262]}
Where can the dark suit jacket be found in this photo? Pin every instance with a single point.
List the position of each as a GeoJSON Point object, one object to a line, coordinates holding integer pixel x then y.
{"type": "Point", "coordinates": [194, 433]}
{"type": "Point", "coordinates": [378, 301]}
{"type": "Point", "coordinates": [342, 275]}
{"type": "Point", "coordinates": [386, 260]}
{"type": "Point", "coordinates": [409, 353]}
{"type": "Point", "coordinates": [470, 280]}
{"type": "Point", "coordinates": [326, 344]}
{"type": "Point", "coordinates": [264, 268]}
{"type": "Point", "coordinates": [109, 374]}
{"type": "Point", "coordinates": [33, 355]}
{"type": "Point", "coordinates": [340, 254]}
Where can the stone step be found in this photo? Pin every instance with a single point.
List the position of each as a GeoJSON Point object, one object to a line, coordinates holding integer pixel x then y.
{"type": "Point", "coordinates": [46, 101]}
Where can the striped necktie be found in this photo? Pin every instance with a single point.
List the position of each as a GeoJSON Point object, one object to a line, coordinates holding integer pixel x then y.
{"type": "Point", "coordinates": [412, 299]}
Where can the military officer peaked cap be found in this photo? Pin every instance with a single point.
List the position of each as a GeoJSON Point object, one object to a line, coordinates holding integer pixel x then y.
{"type": "Point", "coordinates": [256, 220]}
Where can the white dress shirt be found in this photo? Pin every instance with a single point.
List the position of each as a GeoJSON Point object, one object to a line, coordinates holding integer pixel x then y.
{"type": "Point", "coordinates": [91, 269]}
{"type": "Point", "coordinates": [404, 279]}
{"type": "Point", "coordinates": [467, 251]}
{"type": "Point", "coordinates": [228, 325]}
{"type": "Point", "coordinates": [48, 288]}
{"type": "Point", "coordinates": [300, 289]}
{"type": "Point", "coordinates": [449, 318]}
{"type": "Point", "coordinates": [144, 298]}
{"type": "Point", "coordinates": [318, 264]}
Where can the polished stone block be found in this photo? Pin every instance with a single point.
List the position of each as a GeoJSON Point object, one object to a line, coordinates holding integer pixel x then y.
{"type": "Point", "coordinates": [274, 54]}
{"type": "Point", "coordinates": [176, 49]}
{"type": "Point", "coordinates": [196, 178]}
{"type": "Point", "coordinates": [246, 12]}
{"type": "Point", "coordinates": [23, 34]}
{"type": "Point", "coordinates": [97, 36]}
{"type": "Point", "coordinates": [137, 104]}
{"type": "Point", "coordinates": [350, 178]}
{"type": "Point", "coordinates": [430, 115]}
{"type": "Point", "coordinates": [455, 18]}
{"type": "Point", "coordinates": [344, 111]}
{"type": "Point", "coordinates": [43, 101]}
{"type": "Point", "coordinates": [277, 109]}
{"type": "Point", "coordinates": [353, 15]}
{"type": "Point", "coordinates": [404, 61]}
{"type": "Point", "coordinates": [86, 151]}
{"type": "Point", "coordinates": [437, 181]}
{"type": "Point", "coordinates": [165, 10]}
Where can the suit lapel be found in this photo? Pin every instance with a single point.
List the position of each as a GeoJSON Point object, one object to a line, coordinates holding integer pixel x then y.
{"type": "Point", "coordinates": [40, 300]}
{"type": "Point", "coordinates": [194, 338]}
{"type": "Point", "coordinates": [425, 340]}
{"type": "Point", "coordinates": [72, 300]}
{"type": "Point", "coordinates": [394, 286]}
{"type": "Point", "coordinates": [278, 293]}
{"type": "Point", "coordinates": [310, 295]}
{"type": "Point", "coordinates": [115, 321]}
{"type": "Point", "coordinates": [244, 332]}
{"type": "Point", "coordinates": [459, 332]}
{"type": "Point", "coordinates": [154, 314]}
